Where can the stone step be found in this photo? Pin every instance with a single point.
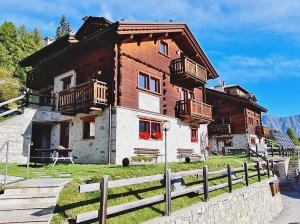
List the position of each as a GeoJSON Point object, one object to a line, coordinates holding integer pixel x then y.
{"type": "Point", "coordinates": [28, 203]}
{"type": "Point", "coordinates": [32, 191]}
{"type": "Point", "coordinates": [20, 196]}
{"type": "Point", "coordinates": [26, 216]}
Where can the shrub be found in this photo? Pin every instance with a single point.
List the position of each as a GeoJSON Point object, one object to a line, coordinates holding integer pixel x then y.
{"type": "Point", "coordinates": [294, 158]}
{"type": "Point", "coordinates": [142, 158]}
{"type": "Point", "coordinates": [187, 159]}
{"type": "Point", "coordinates": [125, 162]}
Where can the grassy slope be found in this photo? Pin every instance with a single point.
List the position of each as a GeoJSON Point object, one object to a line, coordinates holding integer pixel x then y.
{"type": "Point", "coordinates": [71, 202]}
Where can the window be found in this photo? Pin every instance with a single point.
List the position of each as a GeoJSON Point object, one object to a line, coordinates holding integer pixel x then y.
{"type": "Point", "coordinates": [154, 85]}
{"type": "Point", "coordinates": [148, 83]}
{"type": "Point", "coordinates": [66, 82]}
{"type": "Point", "coordinates": [194, 134]}
{"type": "Point", "coordinates": [186, 94]}
{"type": "Point", "coordinates": [253, 142]}
{"type": "Point", "coordinates": [143, 80]}
{"type": "Point", "coordinates": [89, 128]}
{"type": "Point", "coordinates": [250, 120]}
{"type": "Point", "coordinates": [163, 47]}
{"type": "Point", "coordinates": [150, 130]}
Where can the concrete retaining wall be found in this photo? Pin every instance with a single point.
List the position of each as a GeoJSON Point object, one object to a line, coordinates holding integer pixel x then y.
{"type": "Point", "coordinates": [248, 205]}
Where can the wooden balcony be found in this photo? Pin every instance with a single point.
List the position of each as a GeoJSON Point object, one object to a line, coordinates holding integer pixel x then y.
{"type": "Point", "coordinates": [88, 96]}
{"type": "Point", "coordinates": [187, 72]}
{"type": "Point", "coordinates": [192, 111]}
{"type": "Point", "coordinates": [219, 129]}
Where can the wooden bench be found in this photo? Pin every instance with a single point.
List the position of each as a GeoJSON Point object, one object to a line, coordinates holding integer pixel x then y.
{"type": "Point", "coordinates": [187, 153]}
{"type": "Point", "coordinates": [154, 153]}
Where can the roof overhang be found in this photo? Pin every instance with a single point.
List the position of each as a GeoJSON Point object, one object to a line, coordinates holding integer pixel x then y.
{"type": "Point", "coordinates": [177, 31]}
{"type": "Point", "coordinates": [236, 98]}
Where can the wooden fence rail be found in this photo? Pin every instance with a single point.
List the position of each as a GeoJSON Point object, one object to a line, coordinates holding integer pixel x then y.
{"type": "Point", "coordinates": [200, 189]}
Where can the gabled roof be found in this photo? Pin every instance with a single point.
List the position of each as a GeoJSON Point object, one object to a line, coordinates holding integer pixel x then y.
{"type": "Point", "coordinates": [97, 27]}
{"type": "Point", "coordinates": [237, 98]}
{"type": "Point", "coordinates": [91, 24]}
{"type": "Point", "coordinates": [179, 31]}
{"type": "Point", "coordinates": [55, 46]}
{"type": "Point", "coordinates": [236, 86]}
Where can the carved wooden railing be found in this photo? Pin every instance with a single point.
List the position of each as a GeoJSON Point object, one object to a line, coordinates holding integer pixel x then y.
{"type": "Point", "coordinates": [187, 66]}
{"type": "Point", "coordinates": [85, 95]}
{"type": "Point", "coordinates": [192, 108]}
{"type": "Point", "coordinates": [219, 129]}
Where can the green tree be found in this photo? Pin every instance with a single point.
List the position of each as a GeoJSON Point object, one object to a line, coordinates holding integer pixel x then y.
{"type": "Point", "coordinates": [291, 133]}
{"type": "Point", "coordinates": [64, 27]}
{"type": "Point", "coordinates": [8, 40]}
{"type": "Point", "coordinates": [9, 86]}
{"type": "Point", "coordinates": [16, 44]}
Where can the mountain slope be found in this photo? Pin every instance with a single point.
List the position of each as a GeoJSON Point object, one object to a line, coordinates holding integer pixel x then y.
{"type": "Point", "coordinates": [282, 123]}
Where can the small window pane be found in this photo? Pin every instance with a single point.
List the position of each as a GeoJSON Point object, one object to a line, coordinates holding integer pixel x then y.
{"type": "Point", "coordinates": [92, 129]}
{"type": "Point", "coordinates": [154, 85]}
{"type": "Point", "coordinates": [163, 48]}
{"type": "Point", "coordinates": [144, 126]}
{"type": "Point", "coordinates": [155, 127]}
{"type": "Point", "coordinates": [143, 79]}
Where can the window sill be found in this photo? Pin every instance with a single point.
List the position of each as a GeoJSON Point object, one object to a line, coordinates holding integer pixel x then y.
{"type": "Point", "coordinates": [88, 138]}
{"type": "Point", "coordinates": [165, 55]}
{"type": "Point", "coordinates": [151, 139]}
{"type": "Point", "coordinates": [148, 91]}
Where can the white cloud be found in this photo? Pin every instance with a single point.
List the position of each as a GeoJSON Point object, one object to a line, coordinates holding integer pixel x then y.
{"type": "Point", "coordinates": [210, 15]}
{"type": "Point", "coordinates": [239, 68]}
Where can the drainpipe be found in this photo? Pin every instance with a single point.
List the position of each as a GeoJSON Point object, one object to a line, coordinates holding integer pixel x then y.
{"type": "Point", "coordinates": [109, 135]}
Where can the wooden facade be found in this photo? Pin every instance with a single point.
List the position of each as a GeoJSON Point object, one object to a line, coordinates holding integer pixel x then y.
{"type": "Point", "coordinates": [107, 59]}
{"type": "Point", "coordinates": [234, 114]}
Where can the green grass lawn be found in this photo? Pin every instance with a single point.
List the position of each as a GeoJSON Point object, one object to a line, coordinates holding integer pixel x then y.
{"type": "Point", "coordinates": [71, 202]}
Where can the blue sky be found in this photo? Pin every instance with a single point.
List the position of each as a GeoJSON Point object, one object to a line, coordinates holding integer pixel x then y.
{"type": "Point", "coordinates": [253, 43]}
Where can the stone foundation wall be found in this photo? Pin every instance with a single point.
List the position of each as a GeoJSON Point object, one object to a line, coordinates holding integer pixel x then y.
{"type": "Point", "coordinates": [248, 205]}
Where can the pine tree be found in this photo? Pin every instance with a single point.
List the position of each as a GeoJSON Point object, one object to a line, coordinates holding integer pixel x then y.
{"type": "Point", "coordinates": [291, 133]}
{"type": "Point", "coordinates": [64, 27]}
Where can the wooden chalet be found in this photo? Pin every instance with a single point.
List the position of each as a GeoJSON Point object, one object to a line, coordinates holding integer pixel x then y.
{"type": "Point", "coordinates": [236, 118]}
{"type": "Point", "coordinates": [156, 71]}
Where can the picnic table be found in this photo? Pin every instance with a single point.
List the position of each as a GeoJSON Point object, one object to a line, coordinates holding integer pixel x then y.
{"type": "Point", "coordinates": [55, 154]}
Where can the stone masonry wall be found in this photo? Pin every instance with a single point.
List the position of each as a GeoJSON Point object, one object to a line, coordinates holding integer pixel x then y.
{"type": "Point", "coordinates": [248, 205]}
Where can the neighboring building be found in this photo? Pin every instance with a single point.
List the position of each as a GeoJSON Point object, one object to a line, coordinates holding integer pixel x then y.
{"type": "Point", "coordinates": [115, 84]}
{"type": "Point", "coordinates": [48, 40]}
{"type": "Point", "coordinates": [236, 118]}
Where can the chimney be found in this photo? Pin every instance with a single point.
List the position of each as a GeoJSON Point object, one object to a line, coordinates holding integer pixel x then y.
{"type": "Point", "coordinates": [222, 84]}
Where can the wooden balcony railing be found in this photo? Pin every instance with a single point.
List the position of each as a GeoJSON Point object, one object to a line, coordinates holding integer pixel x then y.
{"type": "Point", "coordinates": [219, 129]}
{"type": "Point", "coordinates": [186, 69]}
{"type": "Point", "coordinates": [191, 110]}
{"type": "Point", "coordinates": [83, 97]}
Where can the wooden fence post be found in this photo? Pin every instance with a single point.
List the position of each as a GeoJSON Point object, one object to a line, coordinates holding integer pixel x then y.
{"type": "Point", "coordinates": [246, 173]}
{"type": "Point", "coordinates": [258, 170]}
{"type": "Point", "coordinates": [205, 182]}
{"type": "Point", "coordinates": [103, 199]}
{"type": "Point", "coordinates": [168, 192]}
{"type": "Point", "coordinates": [268, 168]}
{"type": "Point", "coordinates": [272, 167]}
{"type": "Point", "coordinates": [272, 150]}
{"type": "Point", "coordinates": [229, 178]}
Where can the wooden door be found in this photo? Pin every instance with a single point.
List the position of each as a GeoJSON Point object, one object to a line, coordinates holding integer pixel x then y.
{"type": "Point", "coordinates": [64, 134]}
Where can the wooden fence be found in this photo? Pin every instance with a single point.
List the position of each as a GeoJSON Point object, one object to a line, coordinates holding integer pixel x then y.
{"type": "Point", "coordinates": [201, 189]}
